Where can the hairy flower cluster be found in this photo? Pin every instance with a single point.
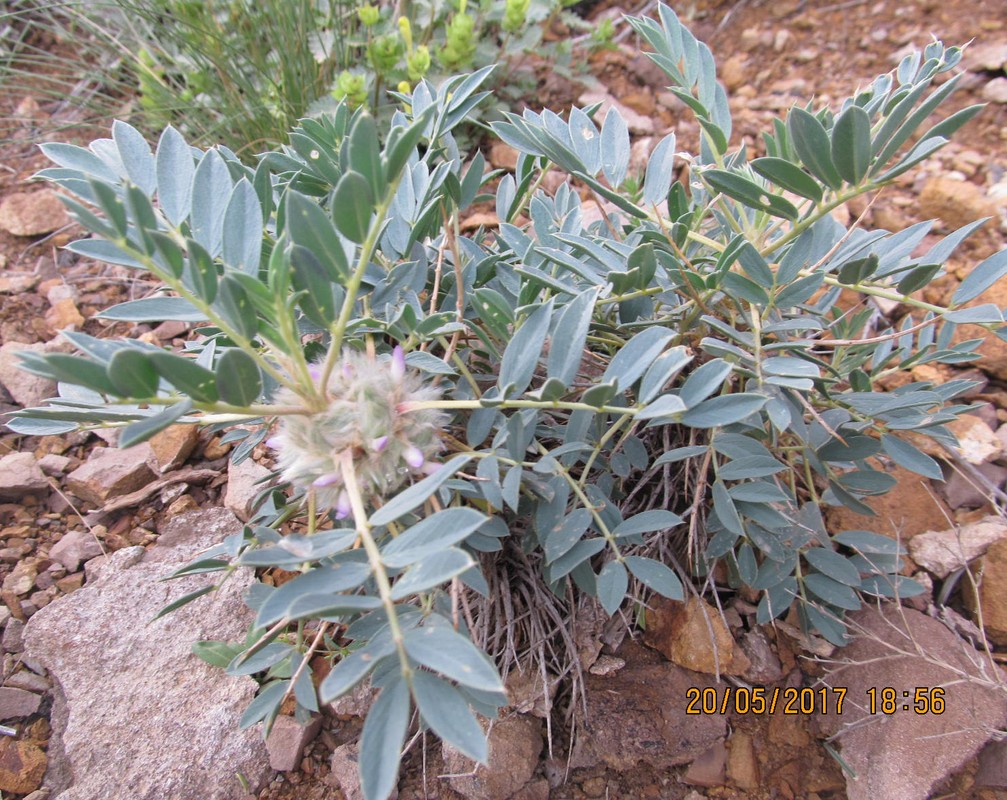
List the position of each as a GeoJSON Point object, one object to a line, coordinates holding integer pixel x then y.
{"type": "Point", "coordinates": [367, 423]}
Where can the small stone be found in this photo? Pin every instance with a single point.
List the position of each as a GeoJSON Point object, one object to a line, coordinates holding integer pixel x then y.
{"type": "Point", "coordinates": [22, 766]}
{"type": "Point", "coordinates": [742, 763]}
{"type": "Point", "coordinates": [995, 91]}
{"type": "Point", "coordinates": [32, 213]}
{"type": "Point", "coordinates": [17, 703]}
{"type": "Point", "coordinates": [481, 219]}
{"type": "Point", "coordinates": [355, 703]}
{"type": "Point", "coordinates": [13, 636]}
{"type": "Point", "coordinates": [345, 772]}
{"type": "Point", "coordinates": [75, 548]}
{"type": "Point", "coordinates": [28, 681]}
{"type": "Point", "coordinates": [515, 744]}
{"type": "Point", "coordinates": [765, 665]}
{"type": "Point", "coordinates": [503, 156]}
{"type": "Point", "coordinates": [16, 284]}
{"type": "Point", "coordinates": [174, 445]}
{"type": "Point", "coordinates": [21, 580]}
{"type": "Point", "coordinates": [991, 584]}
{"type": "Point", "coordinates": [965, 491]}
{"type": "Point", "coordinates": [710, 769]}
{"type": "Point", "coordinates": [170, 329]}
{"type": "Point", "coordinates": [27, 390]}
{"type": "Point", "coordinates": [71, 583]}
{"type": "Point", "coordinates": [977, 442]}
{"type": "Point", "coordinates": [54, 465]}
{"type": "Point", "coordinates": [942, 552]}
{"type": "Point", "coordinates": [693, 635]}
{"type": "Point", "coordinates": [20, 474]}
{"type": "Point", "coordinates": [111, 472]}
{"type": "Point", "coordinates": [244, 482]}
{"type": "Point", "coordinates": [734, 72]}
{"type": "Point", "coordinates": [64, 315]}
{"type": "Point", "coordinates": [955, 203]}
{"type": "Point", "coordinates": [287, 740]}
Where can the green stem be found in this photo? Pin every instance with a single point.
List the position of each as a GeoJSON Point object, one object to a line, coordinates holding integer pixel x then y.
{"type": "Point", "coordinates": [356, 279]}
{"type": "Point", "coordinates": [374, 558]}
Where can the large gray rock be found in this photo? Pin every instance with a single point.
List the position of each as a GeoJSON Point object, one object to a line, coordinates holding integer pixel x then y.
{"type": "Point", "coordinates": [137, 715]}
{"type": "Point", "coordinates": [244, 482]}
{"type": "Point", "coordinates": [902, 755]}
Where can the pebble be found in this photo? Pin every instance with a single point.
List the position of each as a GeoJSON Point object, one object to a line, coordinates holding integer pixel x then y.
{"type": "Point", "coordinates": [13, 636]}
{"type": "Point", "coordinates": [32, 213]}
{"type": "Point", "coordinates": [28, 681]}
{"type": "Point", "coordinates": [17, 703]}
{"type": "Point", "coordinates": [995, 91]}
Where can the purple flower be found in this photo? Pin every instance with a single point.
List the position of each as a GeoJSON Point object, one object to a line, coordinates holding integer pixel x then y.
{"type": "Point", "coordinates": [378, 445]}
{"type": "Point", "coordinates": [413, 456]}
{"type": "Point", "coordinates": [327, 480]}
{"type": "Point", "coordinates": [343, 507]}
{"type": "Point", "coordinates": [274, 442]}
{"type": "Point", "coordinates": [398, 370]}
{"type": "Point", "coordinates": [315, 371]}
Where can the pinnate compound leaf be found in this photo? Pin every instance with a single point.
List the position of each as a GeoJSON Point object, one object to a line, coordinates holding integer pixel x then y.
{"type": "Point", "coordinates": [636, 356]}
{"type": "Point", "coordinates": [382, 738]}
{"type": "Point", "coordinates": [832, 592]}
{"type": "Point", "coordinates": [266, 705]}
{"type": "Point", "coordinates": [154, 309]}
{"type": "Point", "coordinates": [444, 650]}
{"type": "Point", "coordinates": [447, 713]}
{"type": "Point", "coordinates": [566, 345]}
{"type": "Point", "coordinates": [647, 522]}
{"type": "Point", "coordinates": [788, 176]}
{"type": "Point", "coordinates": [187, 376]}
{"type": "Point", "coordinates": [614, 148]}
{"type": "Point", "coordinates": [656, 577]}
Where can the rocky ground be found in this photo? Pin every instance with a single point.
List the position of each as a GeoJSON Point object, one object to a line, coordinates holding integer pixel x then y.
{"type": "Point", "coordinates": [113, 707]}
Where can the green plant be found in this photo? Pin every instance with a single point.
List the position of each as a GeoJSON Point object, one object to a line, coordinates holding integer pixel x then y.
{"type": "Point", "coordinates": [608, 409]}
{"type": "Point", "coordinates": [241, 73]}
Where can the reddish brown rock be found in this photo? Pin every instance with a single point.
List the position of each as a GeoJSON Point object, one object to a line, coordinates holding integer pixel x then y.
{"type": "Point", "coordinates": [110, 472]}
{"type": "Point", "coordinates": [174, 445]}
{"type": "Point", "coordinates": [638, 714]}
{"type": "Point", "coordinates": [693, 635]}
{"type": "Point", "coordinates": [17, 703]}
{"type": "Point", "coordinates": [515, 744]}
{"type": "Point", "coordinates": [991, 585]}
{"type": "Point", "coordinates": [32, 213]}
{"type": "Point", "coordinates": [287, 740]}
{"type": "Point", "coordinates": [911, 507]}
{"type": "Point", "coordinates": [22, 766]}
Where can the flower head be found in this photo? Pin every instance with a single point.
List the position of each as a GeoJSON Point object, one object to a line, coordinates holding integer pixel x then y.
{"type": "Point", "coordinates": [363, 425]}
